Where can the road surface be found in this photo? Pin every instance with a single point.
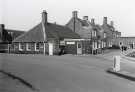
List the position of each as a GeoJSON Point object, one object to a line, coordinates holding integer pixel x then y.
{"type": "Point", "coordinates": [66, 73]}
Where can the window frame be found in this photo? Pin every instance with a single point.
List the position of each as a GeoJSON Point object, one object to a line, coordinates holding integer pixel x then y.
{"type": "Point", "coordinates": [104, 35]}
{"type": "Point", "coordinates": [28, 46]}
{"type": "Point", "coordinates": [21, 46]}
{"type": "Point", "coordinates": [37, 45]}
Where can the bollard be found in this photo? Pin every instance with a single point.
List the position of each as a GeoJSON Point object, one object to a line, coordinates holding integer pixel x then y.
{"type": "Point", "coordinates": [116, 66]}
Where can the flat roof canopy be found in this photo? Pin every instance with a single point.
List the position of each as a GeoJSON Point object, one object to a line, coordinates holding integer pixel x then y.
{"type": "Point", "coordinates": [77, 39]}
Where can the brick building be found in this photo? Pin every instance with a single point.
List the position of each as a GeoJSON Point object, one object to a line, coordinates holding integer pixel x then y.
{"type": "Point", "coordinates": [6, 37]}
{"type": "Point", "coordinates": [125, 41]}
{"type": "Point", "coordinates": [44, 38]}
{"type": "Point", "coordinates": [78, 36]}
{"type": "Point", "coordinates": [101, 35]}
{"type": "Point", "coordinates": [109, 32]}
{"type": "Point", "coordinates": [86, 29]}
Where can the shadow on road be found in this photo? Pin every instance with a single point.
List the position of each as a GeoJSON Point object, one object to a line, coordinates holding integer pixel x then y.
{"type": "Point", "coordinates": [122, 75]}
{"type": "Point", "coordinates": [20, 79]}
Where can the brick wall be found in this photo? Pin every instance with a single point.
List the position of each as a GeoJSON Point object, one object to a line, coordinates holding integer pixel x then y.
{"type": "Point", "coordinates": [86, 47]}
{"type": "Point", "coordinates": [15, 47]}
{"type": "Point", "coordinates": [126, 41]}
{"type": "Point", "coordinates": [70, 48]}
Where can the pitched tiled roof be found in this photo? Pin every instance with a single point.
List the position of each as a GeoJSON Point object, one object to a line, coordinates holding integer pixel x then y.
{"type": "Point", "coordinates": [16, 33]}
{"type": "Point", "coordinates": [60, 32]}
{"type": "Point", "coordinates": [53, 31]}
{"type": "Point", "coordinates": [108, 27]}
{"type": "Point", "coordinates": [84, 22]}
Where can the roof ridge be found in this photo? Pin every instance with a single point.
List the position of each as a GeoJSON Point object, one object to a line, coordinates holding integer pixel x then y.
{"type": "Point", "coordinates": [15, 30]}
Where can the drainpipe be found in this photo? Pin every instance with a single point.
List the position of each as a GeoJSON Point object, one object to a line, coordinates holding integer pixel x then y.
{"type": "Point", "coordinates": [75, 15]}
{"type": "Point", "coordinates": [74, 24]}
{"type": "Point", "coordinates": [44, 23]}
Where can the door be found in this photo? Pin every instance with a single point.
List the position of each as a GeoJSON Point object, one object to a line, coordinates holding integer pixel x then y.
{"type": "Point", "coordinates": [79, 48]}
{"type": "Point", "coordinates": [50, 48]}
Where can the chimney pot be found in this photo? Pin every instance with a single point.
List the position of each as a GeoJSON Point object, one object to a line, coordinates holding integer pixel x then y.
{"type": "Point", "coordinates": [2, 26]}
{"type": "Point", "coordinates": [112, 23]}
{"type": "Point", "coordinates": [92, 21]}
{"type": "Point", "coordinates": [105, 20]}
{"type": "Point", "coordinates": [44, 17]}
{"type": "Point", "coordinates": [85, 17]}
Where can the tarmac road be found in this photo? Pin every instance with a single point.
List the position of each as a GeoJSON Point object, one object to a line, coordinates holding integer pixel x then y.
{"type": "Point", "coordinates": [66, 73]}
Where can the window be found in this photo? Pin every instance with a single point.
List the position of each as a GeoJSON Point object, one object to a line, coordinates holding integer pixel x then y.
{"type": "Point", "coordinates": [21, 46]}
{"type": "Point", "coordinates": [114, 35]}
{"type": "Point", "coordinates": [28, 46]}
{"type": "Point", "coordinates": [79, 45]}
{"type": "Point", "coordinates": [120, 44]}
{"type": "Point", "coordinates": [104, 35]}
{"type": "Point", "coordinates": [37, 46]}
{"type": "Point", "coordinates": [94, 33]}
{"type": "Point", "coordinates": [104, 44]}
{"type": "Point", "coordinates": [110, 44]}
{"type": "Point", "coordinates": [94, 45]}
{"type": "Point", "coordinates": [99, 45]}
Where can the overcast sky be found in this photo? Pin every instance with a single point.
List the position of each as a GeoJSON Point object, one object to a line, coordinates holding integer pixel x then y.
{"type": "Point", "coordinates": [24, 14]}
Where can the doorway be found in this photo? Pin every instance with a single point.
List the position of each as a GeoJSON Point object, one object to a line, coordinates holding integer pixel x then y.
{"type": "Point", "coordinates": [79, 48]}
{"type": "Point", "coordinates": [50, 48]}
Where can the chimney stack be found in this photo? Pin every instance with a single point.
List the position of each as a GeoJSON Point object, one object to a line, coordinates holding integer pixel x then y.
{"type": "Point", "coordinates": [105, 20]}
{"type": "Point", "coordinates": [2, 27]}
{"type": "Point", "coordinates": [75, 15]}
{"type": "Point", "coordinates": [112, 23]}
{"type": "Point", "coordinates": [44, 17]}
{"type": "Point", "coordinates": [92, 21]}
{"type": "Point", "coordinates": [85, 17]}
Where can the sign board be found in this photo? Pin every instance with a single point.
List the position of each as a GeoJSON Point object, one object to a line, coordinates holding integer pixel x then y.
{"type": "Point", "coordinates": [70, 42]}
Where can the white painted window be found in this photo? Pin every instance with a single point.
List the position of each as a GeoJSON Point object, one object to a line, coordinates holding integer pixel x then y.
{"type": "Point", "coordinates": [94, 46]}
{"type": "Point", "coordinates": [21, 46]}
{"type": "Point", "coordinates": [99, 45]}
{"type": "Point", "coordinates": [94, 33]}
{"type": "Point", "coordinates": [104, 35]}
{"type": "Point", "coordinates": [37, 47]}
{"type": "Point", "coordinates": [28, 46]}
{"type": "Point", "coordinates": [104, 44]}
{"type": "Point", "coordinates": [110, 44]}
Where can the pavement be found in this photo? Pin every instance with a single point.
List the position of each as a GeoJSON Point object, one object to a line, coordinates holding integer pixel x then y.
{"type": "Point", "coordinates": [127, 64]}
{"type": "Point", "coordinates": [67, 73]}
